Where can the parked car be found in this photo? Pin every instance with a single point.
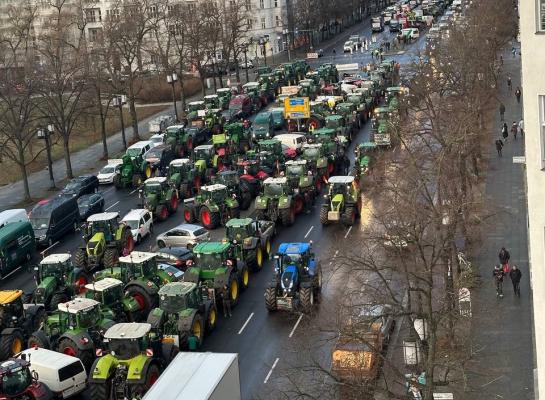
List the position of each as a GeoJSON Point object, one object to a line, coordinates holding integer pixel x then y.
{"type": "Point", "coordinates": [107, 173]}
{"type": "Point", "coordinates": [248, 65]}
{"type": "Point", "coordinates": [54, 217]}
{"type": "Point", "coordinates": [81, 185]}
{"type": "Point", "coordinates": [141, 223]}
{"type": "Point", "coordinates": [159, 157]}
{"type": "Point", "coordinates": [186, 235]}
{"type": "Point", "coordinates": [175, 256]}
{"type": "Point", "coordinates": [157, 139]}
{"type": "Point", "coordinates": [90, 204]}
{"type": "Point", "coordinates": [348, 47]}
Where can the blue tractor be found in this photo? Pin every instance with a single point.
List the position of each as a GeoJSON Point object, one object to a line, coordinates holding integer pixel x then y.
{"type": "Point", "coordinates": [297, 281]}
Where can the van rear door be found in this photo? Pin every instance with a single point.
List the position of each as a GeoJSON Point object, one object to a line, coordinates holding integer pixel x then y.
{"type": "Point", "coordinates": [72, 379]}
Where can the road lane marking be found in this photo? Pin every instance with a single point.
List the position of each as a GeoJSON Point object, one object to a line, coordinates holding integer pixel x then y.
{"type": "Point", "coordinates": [134, 191]}
{"type": "Point", "coordinates": [109, 190]}
{"type": "Point", "coordinates": [296, 325]}
{"type": "Point", "coordinates": [49, 248]}
{"type": "Point", "coordinates": [246, 323]}
{"type": "Point", "coordinates": [271, 370]}
{"type": "Point", "coordinates": [113, 205]}
{"type": "Point", "coordinates": [347, 232]}
{"type": "Point", "coordinates": [310, 230]}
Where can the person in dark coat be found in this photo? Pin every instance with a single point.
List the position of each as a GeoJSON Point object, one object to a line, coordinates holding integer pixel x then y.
{"type": "Point", "coordinates": [515, 276]}
{"type": "Point", "coordinates": [497, 273]}
{"type": "Point", "coordinates": [499, 146]}
{"type": "Point", "coordinates": [504, 256]}
{"type": "Point", "coordinates": [504, 131]}
{"type": "Point", "coordinates": [518, 93]}
{"type": "Point", "coordinates": [502, 110]}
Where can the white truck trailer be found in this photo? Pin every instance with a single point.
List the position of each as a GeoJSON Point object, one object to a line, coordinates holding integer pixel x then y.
{"type": "Point", "coordinates": [198, 376]}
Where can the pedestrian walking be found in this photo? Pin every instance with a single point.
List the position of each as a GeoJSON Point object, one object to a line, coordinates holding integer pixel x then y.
{"type": "Point", "coordinates": [504, 257]}
{"type": "Point", "coordinates": [501, 60]}
{"type": "Point", "coordinates": [502, 111]}
{"type": "Point", "coordinates": [514, 129]}
{"type": "Point", "coordinates": [515, 276]}
{"type": "Point", "coordinates": [499, 146]}
{"type": "Point", "coordinates": [509, 83]}
{"type": "Point", "coordinates": [514, 51]}
{"type": "Point", "coordinates": [226, 302]}
{"type": "Point", "coordinates": [373, 55]}
{"type": "Point", "coordinates": [518, 94]}
{"type": "Point", "coordinates": [504, 131]}
{"type": "Point", "coordinates": [497, 273]}
{"type": "Point", "coordinates": [521, 128]}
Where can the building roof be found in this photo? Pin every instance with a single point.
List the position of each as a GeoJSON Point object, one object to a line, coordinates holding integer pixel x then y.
{"type": "Point", "coordinates": [137, 257]}
{"type": "Point", "coordinates": [103, 284]}
{"type": "Point", "coordinates": [56, 259]}
{"type": "Point", "coordinates": [77, 305]}
{"type": "Point", "coordinates": [177, 288]}
{"type": "Point", "coordinates": [341, 179]}
{"type": "Point", "coordinates": [105, 216]}
{"type": "Point", "coordinates": [128, 330]}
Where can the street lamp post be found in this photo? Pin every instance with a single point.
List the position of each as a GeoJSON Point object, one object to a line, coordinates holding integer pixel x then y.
{"type": "Point", "coordinates": [245, 51]}
{"type": "Point", "coordinates": [45, 133]}
{"type": "Point", "coordinates": [263, 42]}
{"type": "Point", "coordinates": [118, 102]}
{"type": "Point", "coordinates": [172, 79]}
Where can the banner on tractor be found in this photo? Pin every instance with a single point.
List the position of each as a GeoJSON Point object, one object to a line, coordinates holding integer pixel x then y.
{"type": "Point", "coordinates": [289, 90]}
{"type": "Point", "coordinates": [297, 107]}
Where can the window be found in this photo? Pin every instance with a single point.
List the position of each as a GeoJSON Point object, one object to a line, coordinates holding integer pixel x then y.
{"type": "Point", "coordinates": [113, 14]}
{"type": "Point", "coordinates": [542, 129]}
{"type": "Point", "coordinates": [153, 11]}
{"type": "Point", "coordinates": [541, 15]}
{"type": "Point", "coordinates": [250, 23]}
{"type": "Point", "coordinates": [278, 20]}
{"type": "Point", "coordinates": [93, 15]}
{"type": "Point", "coordinates": [95, 34]}
{"type": "Point", "coordinates": [275, 3]}
{"type": "Point", "coordinates": [70, 371]}
{"type": "Point", "coordinates": [248, 5]}
{"type": "Point", "coordinates": [261, 3]}
{"type": "Point", "coordinates": [263, 24]}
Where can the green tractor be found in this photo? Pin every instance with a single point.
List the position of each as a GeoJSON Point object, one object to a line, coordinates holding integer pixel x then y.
{"type": "Point", "coordinates": [331, 146]}
{"type": "Point", "coordinates": [269, 84]}
{"type": "Point", "coordinates": [264, 70]}
{"type": "Point", "coordinates": [224, 97]}
{"type": "Point", "coordinates": [75, 329]}
{"type": "Point", "coordinates": [328, 72]}
{"type": "Point", "coordinates": [251, 239]}
{"type": "Point", "coordinates": [290, 73]}
{"type": "Point", "coordinates": [180, 140]}
{"type": "Point", "coordinates": [213, 206]}
{"type": "Point", "coordinates": [185, 309]}
{"type": "Point", "coordinates": [258, 97]}
{"type": "Point", "coordinates": [212, 102]}
{"type": "Point", "coordinates": [381, 127]}
{"type": "Point", "coordinates": [350, 114]}
{"type": "Point", "coordinates": [142, 278]}
{"type": "Point", "coordinates": [301, 68]}
{"type": "Point", "coordinates": [274, 154]}
{"type": "Point", "coordinates": [394, 96]}
{"type": "Point", "coordinates": [205, 160]}
{"type": "Point", "coordinates": [129, 363]}
{"type": "Point", "coordinates": [276, 202]}
{"type": "Point", "coordinates": [132, 172]}
{"type": "Point", "coordinates": [341, 127]}
{"type": "Point", "coordinates": [361, 105]}
{"type": "Point", "coordinates": [225, 149]}
{"type": "Point", "coordinates": [57, 281]}
{"type": "Point", "coordinates": [114, 304]}
{"type": "Point", "coordinates": [301, 181]}
{"type": "Point", "coordinates": [216, 267]}
{"type": "Point", "coordinates": [239, 189]}
{"type": "Point", "coordinates": [184, 177]}
{"type": "Point", "coordinates": [307, 88]}
{"type": "Point", "coordinates": [317, 161]}
{"type": "Point", "coordinates": [160, 197]}
{"type": "Point", "coordinates": [199, 116]}
{"type": "Point", "coordinates": [105, 240]}
{"type": "Point", "coordinates": [343, 201]}
{"type": "Point", "coordinates": [239, 136]}
{"type": "Point", "coordinates": [363, 159]}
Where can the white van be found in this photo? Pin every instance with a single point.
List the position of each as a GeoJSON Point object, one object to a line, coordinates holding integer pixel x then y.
{"type": "Point", "coordinates": [14, 215]}
{"type": "Point", "coordinates": [292, 140]}
{"type": "Point", "coordinates": [139, 148]}
{"type": "Point", "coordinates": [141, 223]}
{"type": "Point", "coordinates": [64, 375]}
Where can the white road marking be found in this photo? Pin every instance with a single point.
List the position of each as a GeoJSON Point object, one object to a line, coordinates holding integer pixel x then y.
{"type": "Point", "coordinates": [296, 325]}
{"type": "Point", "coordinates": [310, 230]}
{"type": "Point", "coordinates": [109, 190]}
{"type": "Point", "coordinates": [246, 323]}
{"type": "Point", "coordinates": [271, 370]}
{"type": "Point", "coordinates": [113, 205]}
{"type": "Point", "coordinates": [49, 248]}
{"type": "Point", "coordinates": [134, 191]}
{"type": "Point", "coordinates": [347, 232]}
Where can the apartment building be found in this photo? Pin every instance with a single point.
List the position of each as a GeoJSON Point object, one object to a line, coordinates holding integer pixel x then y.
{"type": "Point", "coordinates": [532, 34]}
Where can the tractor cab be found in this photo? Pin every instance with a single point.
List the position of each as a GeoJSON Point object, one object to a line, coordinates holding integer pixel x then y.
{"type": "Point", "coordinates": [154, 190]}
{"type": "Point", "coordinates": [251, 88]}
{"type": "Point", "coordinates": [11, 308]}
{"type": "Point", "coordinates": [212, 102]}
{"type": "Point", "coordinates": [224, 96]}
{"type": "Point", "coordinates": [204, 152]}
{"type": "Point", "coordinates": [18, 382]}
{"type": "Point", "coordinates": [271, 145]}
{"type": "Point", "coordinates": [56, 266]}
{"type": "Point", "coordinates": [276, 187]}
{"type": "Point", "coordinates": [394, 95]}
{"type": "Point", "coordinates": [262, 71]}
{"type": "Point", "coordinates": [239, 229]}
{"type": "Point", "coordinates": [138, 264]}
{"type": "Point", "coordinates": [176, 297]}
{"type": "Point", "coordinates": [130, 339]}
{"type": "Point", "coordinates": [296, 169]}
{"type": "Point", "coordinates": [180, 166]}
{"type": "Point", "coordinates": [107, 291]}
{"type": "Point", "coordinates": [335, 122]}
{"type": "Point", "coordinates": [294, 261]}
{"type": "Point", "coordinates": [340, 185]}
{"type": "Point", "coordinates": [195, 106]}
{"type": "Point", "coordinates": [79, 313]}
{"type": "Point", "coordinates": [212, 255]}
{"type": "Point", "coordinates": [229, 178]}
{"type": "Point", "coordinates": [216, 193]}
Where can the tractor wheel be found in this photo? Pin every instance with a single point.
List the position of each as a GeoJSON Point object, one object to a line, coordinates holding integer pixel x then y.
{"type": "Point", "coordinates": [196, 184]}
{"type": "Point", "coordinates": [319, 185]}
{"type": "Point", "coordinates": [111, 258]}
{"type": "Point", "coordinates": [117, 182]}
{"type": "Point", "coordinates": [136, 180]}
{"type": "Point", "coordinates": [299, 204]}
{"type": "Point", "coordinates": [80, 280]}
{"type": "Point", "coordinates": [57, 299]}
{"type": "Point", "coordinates": [259, 258]}
{"type": "Point", "coordinates": [209, 219]}
{"type": "Point", "coordinates": [189, 214]}
{"type": "Point", "coordinates": [211, 318]}
{"type": "Point", "coordinates": [287, 216]}
{"type": "Point", "coordinates": [244, 278]}
{"type": "Point", "coordinates": [330, 167]}
{"type": "Point", "coordinates": [348, 218]}
{"type": "Point", "coordinates": [161, 212]}
{"type": "Point", "coordinates": [197, 329]}
{"type": "Point", "coordinates": [246, 200]}
{"type": "Point", "coordinates": [152, 374]}
{"type": "Point", "coordinates": [169, 352]}
{"type": "Point", "coordinates": [80, 258]}
{"type": "Point", "coordinates": [268, 246]}
{"type": "Point", "coordinates": [306, 295]}
{"type": "Point", "coordinates": [100, 390]}
{"type": "Point", "coordinates": [270, 298]}
{"type": "Point", "coordinates": [39, 340]}
{"type": "Point", "coordinates": [11, 344]}
{"type": "Point", "coordinates": [234, 212]}
{"type": "Point", "coordinates": [189, 144]}
{"type": "Point", "coordinates": [68, 347]}
{"type": "Point", "coordinates": [233, 289]}
{"type": "Point", "coordinates": [324, 220]}
{"type": "Point", "coordinates": [184, 191]}
{"type": "Point", "coordinates": [314, 123]}
{"type": "Point", "coordinates": [143, 298]}
{"type": "Point", "coordinates": [173, 204]}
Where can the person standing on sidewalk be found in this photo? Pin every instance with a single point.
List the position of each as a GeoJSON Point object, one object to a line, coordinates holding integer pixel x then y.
{"type": "Point", "coordinates": [515, 276]}
{"type": "Point", "coordinates": [504, 257]}
{"type": "Point", "coordinates": [521, 128]}
{"type": "Point", "coordinates": [502, 110]}
{"type": "Point", "coordinates": [504, 131]}
{"type": "Point", "coordinates": [509, 83]}
{"type": "Point", "coordinates": [226, 302]}
{"type": "Point", "coordinates": [514, 129]}
{"type": "Point", "coordinates": [498, 280]}
{"type": "Point", "coordinates": [499, 146]}
{"type": "Point", "coordinates": [518, 93]}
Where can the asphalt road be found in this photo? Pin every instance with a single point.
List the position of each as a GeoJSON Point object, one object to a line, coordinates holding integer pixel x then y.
{"type": "Point", "coordinates": [272, 348]}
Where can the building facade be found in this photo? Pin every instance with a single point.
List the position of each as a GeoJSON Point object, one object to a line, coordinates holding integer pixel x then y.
{"type": "Point", "coordinates": [532, 35]}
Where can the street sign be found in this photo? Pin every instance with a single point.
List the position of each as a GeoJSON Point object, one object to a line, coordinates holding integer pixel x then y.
{"type": "Point", "coordinates": [312, 55]}
{"type": "Point", "coordinates": [519, 160]}
{"type": "Point", "coordinates": [297, 107]}
{"type": "Point", "coordinates": [289, 90]}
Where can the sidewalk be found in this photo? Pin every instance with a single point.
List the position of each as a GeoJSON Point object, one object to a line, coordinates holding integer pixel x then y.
{"type": "Point", "coordinates": [502, 364]}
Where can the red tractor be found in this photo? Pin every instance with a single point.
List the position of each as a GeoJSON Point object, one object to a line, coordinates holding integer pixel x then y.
{"type": "Point", "coordinates": [18, 383]}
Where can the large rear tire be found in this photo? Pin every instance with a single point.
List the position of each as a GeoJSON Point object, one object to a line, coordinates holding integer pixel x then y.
{"type": "Point", "coordinates": [11, 344]}
{"type": "Point", "coordinates": [211, 318]}
{"type": "Point", "coordinates": [306, 295]}
{"type": "Point", "coordinates": [349, 216]}
{"type": "Point", "coordinates": [80, 258]}
{"type": "Point", "coordinates": [111, 258]}
{"type": "Point", "coordinates": [209, 219]}
{"type": "Point", "coordinates": [324, 220]}
{"type": "Point", "coordinates": [117, 182]}
{"type": "Point", "coordinates": [67, 346]}
{"type": "Point", "coordinates": [287, 216]}
{"type": "Point", "coordinates": [197, 329]}
{"type": "Point", "coordinates": [57, 299]}
{"type": "Point", "coordinates": [152, 374]}
{"type": "Point", "coordinates": [100, 390]}
{"type": "Point", "coordinates": [244, 278]}
{"type": "Point", "coordinates": [234, 289]}
{"type": "Point", "coordinates": [189, 214]}
{"type": "Point", "coordinates": [246, 200]}
{"type": "Point", "coordinates": [270, 298]}
{"type": "Point", "coordinates": [144, 300]}
{"type": "Point", "coordinates": [38, 339]}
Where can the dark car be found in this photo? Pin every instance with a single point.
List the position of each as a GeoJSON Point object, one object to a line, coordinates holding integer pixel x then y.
{"type": "Point", "coordinates": [90, 204]}
{"type": "Point", "coordinates": [81, 185]}
{"type": "Point", "coordinates": [52, 218]}
{"type": "Point", "coordinates": [175, 256]}
{"type": "Point", "coordinates": [159, 157]}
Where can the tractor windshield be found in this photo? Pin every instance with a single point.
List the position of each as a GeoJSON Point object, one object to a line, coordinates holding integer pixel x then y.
{"type": "Point", "coordinates": [88, 319]}
{"type": "Point", "coordinates": [201, 154]}
{"type": "Point", "coordinates": [134, 152]}
{"type": "Point", "coordinates": [291, 259]}
{"type": "Point", "coordinates": [333, 123]}
{"type": "Point", "coordinates": [173, 304]}
{"type": "Point", "coordinates": [229, 179]}
{"type": "Point", "coordinates": [338, 188]}
{"type": "Point", "coordinates": [124, 348]}
{"type": "Point", "coordinates": [237, 232]}
{"type": "Point", "coordinates": [112, 295]}
{"type": "Point", "coordinates": [195, 107]}
{"type": "Point", "coordinates": [218, 196]}
{"type": "Point", "coordinates": [153, 188]}
{"type": "Point", "coordinates": [52, 269]}
{"type": "Point", "coordinates": [311, 153]}
{"type": "Point", "coordinates": [295, 170]}
{"type": "Point", "coordinates": [15, 383]}
{"type": "Point", "coordinates": [209, 261]}
{"type": "Point", "coordinates": [273, 190]}
{"type": "Point", "coordinates": [39, 223]}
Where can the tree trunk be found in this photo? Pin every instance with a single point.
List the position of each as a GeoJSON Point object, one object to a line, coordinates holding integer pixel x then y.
{"type": "Point", "coordinates": [132, 110]}
{"type": "Point", "coordinates": [22, 167]}
{"type": "Point", "coordinates": [203, 86]}
{"type": "Point", "coordinates": [66, 148]}
{"type": "Point", "coordinates": [102, 116]}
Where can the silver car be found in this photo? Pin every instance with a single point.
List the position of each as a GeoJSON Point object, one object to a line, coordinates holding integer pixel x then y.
{"type": "Point", "coordinates": [185, 235]}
